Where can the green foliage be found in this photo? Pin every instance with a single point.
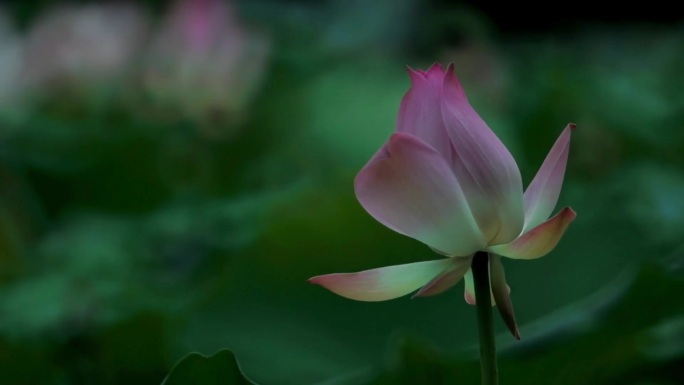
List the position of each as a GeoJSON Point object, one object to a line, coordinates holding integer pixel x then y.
{"type": "Point", "coordinates": [613, 347]}
{"type": "Point", "coordinates": [221, 368]}
{"type": "Point", "coordinates": [632, 350]}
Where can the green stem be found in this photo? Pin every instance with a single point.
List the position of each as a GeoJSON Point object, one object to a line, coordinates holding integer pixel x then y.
{"type": "Point", "coordinates": [480, 267]}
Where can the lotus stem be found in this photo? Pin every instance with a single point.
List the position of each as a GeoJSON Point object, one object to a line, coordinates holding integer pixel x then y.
{"type": "Point", "coordinates": [480, 268]}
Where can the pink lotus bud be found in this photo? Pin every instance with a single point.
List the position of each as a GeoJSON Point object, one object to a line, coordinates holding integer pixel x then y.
{"type": "Point", "coordinates": [445, 179]}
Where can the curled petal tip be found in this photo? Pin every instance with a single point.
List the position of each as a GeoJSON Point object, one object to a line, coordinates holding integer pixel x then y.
{"type": "Point", "coordinates": [436, 65]}
{"type": "Point", "coordinates": [512, 327]}
{"type": "Point", "coordinates": [568, 214]}
{"type": "Point", "coordinates": [415, 73]}
{"type": "Point", "coordinates": [572, 126]}
{"type": "Point", "coordinates": [501, 293]}
{"type": "Point", "coordinates": [435, 68]}
{"type": "Point", "coordinates": [469, 298]}
{"type": "Point", "coordinates": [540, 240]}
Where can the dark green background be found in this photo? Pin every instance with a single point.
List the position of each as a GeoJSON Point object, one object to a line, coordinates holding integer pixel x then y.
{"type": "Point", "coordinates": [128, 240]}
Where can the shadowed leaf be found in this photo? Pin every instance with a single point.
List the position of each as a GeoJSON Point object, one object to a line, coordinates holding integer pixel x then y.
{"type": "Point", "coordinates": [220, 369]}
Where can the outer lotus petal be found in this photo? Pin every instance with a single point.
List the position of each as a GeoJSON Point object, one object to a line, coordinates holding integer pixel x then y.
{"type": "Point", "coordinates": [540, 240]}
{"type": "Point", "coordinates": [484, 167]}
{"type": "Point", "coordinates": [447, 278]}
{"type": "Point", "coordinates": [420, 113]}
{"type": "Point", "coordinates": [435, 74]}
{"type": "Point", "coordinates": [413, 191]}
{"type": "Point", "coordinates": [542, 194]}
{"type": "Point", "coordinates": [501, 293]}
{"type": "Point", "coordinates": [469, 291]}
{"type": "Point", "coordinates": [383, 283]}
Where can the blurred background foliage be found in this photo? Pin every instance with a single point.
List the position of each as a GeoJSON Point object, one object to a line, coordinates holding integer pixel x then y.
{"type": "Point", "coordinates": [172, 173]}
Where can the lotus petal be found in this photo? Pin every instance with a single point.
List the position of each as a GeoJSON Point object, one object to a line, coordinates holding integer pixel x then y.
{"type": "Point", "coordinates": [447, 278]}
{"type": "Point", "coordinates": [483, 166]}
{"type": "Point", "coordinates": [540, 240]}
{"type": "Point", "coordinates": [420, 112]}
{"type": "Point", "coordinates": [383, 283]}
{"type": "Point", "coordinates": [541, 195]}
{"type": "Point", "coordinates": [412, 191]}
{"type": "Point", "coordinates": [501, 293]}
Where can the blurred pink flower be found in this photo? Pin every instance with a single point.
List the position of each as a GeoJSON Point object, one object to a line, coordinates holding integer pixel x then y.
{"type": "Point", "coordinates": [11, 49]}
{"type": "Point", "coordinates": [445, 179]}
{"type": "Point", "coordinates": [204, 62]}
{"type": "Point", "coordinates": [83, 45]}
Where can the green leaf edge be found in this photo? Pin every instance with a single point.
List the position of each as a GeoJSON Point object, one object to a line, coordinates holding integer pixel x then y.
{"type": "Point", "coordinates": [222, 355]}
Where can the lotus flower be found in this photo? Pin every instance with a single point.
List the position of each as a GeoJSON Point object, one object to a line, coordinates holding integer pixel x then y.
{"type": "Point", "coordinates": [74, 45]}
{"type": "Point", "coordinates": [445, 179]}
{"type": "Point", "coordinates": [204, 50]}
